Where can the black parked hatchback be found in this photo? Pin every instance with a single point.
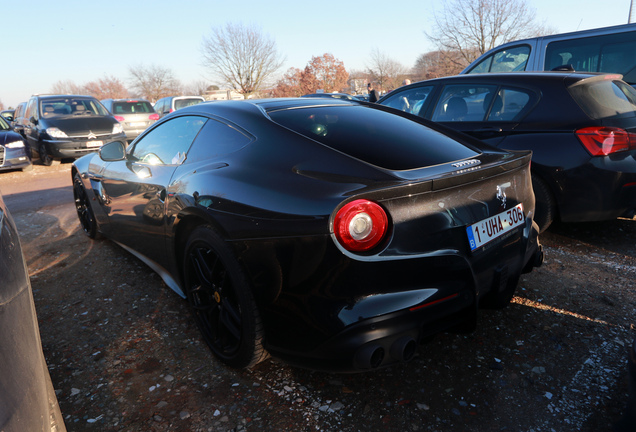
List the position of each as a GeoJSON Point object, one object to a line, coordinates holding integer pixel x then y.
{"type": "Point", "coordinates": [64, 126]}
{"type": "Point", "coordinates": [581, 128]}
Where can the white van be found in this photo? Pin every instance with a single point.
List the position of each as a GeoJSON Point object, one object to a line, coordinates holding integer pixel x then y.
{"type": "Point", "coordinates": [607, 49]}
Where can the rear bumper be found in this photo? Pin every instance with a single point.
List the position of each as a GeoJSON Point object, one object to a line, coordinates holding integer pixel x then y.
{"type": "Point", "coordinates": [603, 189]}
{"type": "Point", "coordinates": [365, 315]}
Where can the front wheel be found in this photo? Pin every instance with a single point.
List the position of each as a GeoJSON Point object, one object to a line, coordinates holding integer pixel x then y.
{"type": "Point", "coordinates": [45, 157]}
{"type": "Point", "coordinates": [221, 299]}
{"type": "Point", "coordinates": [83, 207]}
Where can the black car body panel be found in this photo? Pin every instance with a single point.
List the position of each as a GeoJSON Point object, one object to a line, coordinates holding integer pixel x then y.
{"type": "Point", "coordinates": [272, 191]}
{"type": "Point", "coordinates": [583, 187]}
{"type": "Point", "coordinates": [27, 398]}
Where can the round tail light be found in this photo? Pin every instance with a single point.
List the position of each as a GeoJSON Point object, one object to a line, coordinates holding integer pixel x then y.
{"type": "Point", "coordinates": [360, 225]}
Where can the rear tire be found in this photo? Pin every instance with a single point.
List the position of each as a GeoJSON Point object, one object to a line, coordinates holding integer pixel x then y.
{"type": "Point", "coordinates": [545, 207]}
{"type": "Point", "coordinates": [221, 299]}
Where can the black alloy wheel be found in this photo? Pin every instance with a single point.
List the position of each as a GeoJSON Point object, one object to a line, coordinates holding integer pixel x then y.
{"type": "Point", "coordinates": [45, 157]}
{"type": "Point", "coordinates": [221, 300]}
{"type": "Point", "coordinates": [83, 207]}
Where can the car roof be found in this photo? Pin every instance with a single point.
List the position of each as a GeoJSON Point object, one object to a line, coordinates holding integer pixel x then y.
{"type": "Point", "coordinates": [126, 100]}
{"type": "Point", "coordinates": [237, 110]}
{"type": "Point", "coordinates": [534, 76]}
{"type": "Point", "coordinates": [51, 96]}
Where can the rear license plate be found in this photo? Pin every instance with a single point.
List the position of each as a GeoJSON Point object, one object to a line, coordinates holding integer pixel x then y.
{"type": "Point", "coordinates": [495, 226]}
{"type": "Point", "coordinates": [93, 143]}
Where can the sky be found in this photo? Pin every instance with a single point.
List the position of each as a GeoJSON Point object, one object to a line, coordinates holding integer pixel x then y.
{"type": "Point", "coordinates": [84, 41]}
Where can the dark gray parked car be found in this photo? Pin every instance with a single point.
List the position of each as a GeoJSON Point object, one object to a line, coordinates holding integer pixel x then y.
{"type": "Point", "coordinates": [68, 126]}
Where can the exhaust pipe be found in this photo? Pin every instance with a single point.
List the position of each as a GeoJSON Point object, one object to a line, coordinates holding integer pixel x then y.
{"type": "Point", "coordinates": [369, 357]}
{"type": "Point", "coordinates": [404, 349]}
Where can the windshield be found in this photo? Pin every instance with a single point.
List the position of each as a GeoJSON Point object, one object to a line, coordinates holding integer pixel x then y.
{"type": "Point", "coordinates": [132, 107]}
{"type": "Point", "coordinates": [374, 136]}
{"type": "Point", "coordinates": [65, 106]}
{"type": "Point", "coordinates": [182, 103]}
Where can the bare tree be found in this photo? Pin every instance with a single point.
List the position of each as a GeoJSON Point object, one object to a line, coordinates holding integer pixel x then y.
{"type": "Point", "coordinates": [472, 27]}
{"type": "Point", "coordinates": [388, 73]}
{"type": "Point", "coordinates": [153, 82]}
{"type": "Point", "coordinates": [105, 88]}
{"type": "Point", "coordinates": [1, 105]}
{"type": "Point", "coordinates": [437, 64]}
{"type": "Point", "coordinates": [240, 57]}
{"type": "Point", "coordinates": [197, 88]}
{"type": "Point", "coordinates": [67, 87]}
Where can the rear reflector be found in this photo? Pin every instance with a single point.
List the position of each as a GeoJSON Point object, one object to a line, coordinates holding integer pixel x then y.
{"type": "Point", "coordinates": [360, 225]}
{"type": "Point", "coordinates": [603, 141]}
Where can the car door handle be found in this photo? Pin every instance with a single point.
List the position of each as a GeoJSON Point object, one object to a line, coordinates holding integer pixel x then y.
{"type": "Point", "coordinates": [489, 129]}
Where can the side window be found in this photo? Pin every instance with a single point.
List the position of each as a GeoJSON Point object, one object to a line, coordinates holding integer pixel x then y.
{"type": "Point", "coordinates": [32, 109]}
{"type": "Point", "coordinates": [507, 104]}
{"type": "Point", "coordinates": [411, 100]}
{"type": "Point", "coordinates": [506, 60]}
{"type": "Point", "coordinates": [511, 59]}
{"type": "Point", "coordinates": [605, 53]}
{"type": "Point", "coordinates": [217, 139]}
{"type": "Point", "coordinates": [466, 102]}
{"type": "Point", "coordinates": [168, 143]}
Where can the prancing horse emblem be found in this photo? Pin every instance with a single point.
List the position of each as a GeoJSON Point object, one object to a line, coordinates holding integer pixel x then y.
{"type": "Point", "coordinates": [501, 193]}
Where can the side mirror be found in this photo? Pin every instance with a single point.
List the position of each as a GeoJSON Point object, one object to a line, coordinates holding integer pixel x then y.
{"type": "Point", "coordinates": [113, 151]}
{"type": "Point", "coordinates": [33, 120]}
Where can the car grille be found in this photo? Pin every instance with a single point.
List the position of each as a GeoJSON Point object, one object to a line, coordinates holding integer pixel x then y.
{"type": "Point", "coordinates": [1, 155]}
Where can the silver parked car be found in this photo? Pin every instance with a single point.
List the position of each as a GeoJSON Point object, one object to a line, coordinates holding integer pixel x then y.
{"type": "Point", "coordinates": [27, 398]}
{"type": "Point", "coordinates": [135, 115]}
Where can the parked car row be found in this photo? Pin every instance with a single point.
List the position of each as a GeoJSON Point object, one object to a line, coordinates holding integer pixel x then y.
{"type": "Point", "coordinates": [69, 126]}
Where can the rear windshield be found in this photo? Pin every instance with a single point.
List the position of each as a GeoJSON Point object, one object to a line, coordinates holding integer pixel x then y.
{"type": "Point", "coordinates": [182, 103]}
{"type": "Point", "coordinates": [132, 107]}
{"type": "Point", "coordinates": [376, 137]}
{"type": "Point", "coordinates": [605, 98]}
{"type": "Point", "coordinates": [64, 106]}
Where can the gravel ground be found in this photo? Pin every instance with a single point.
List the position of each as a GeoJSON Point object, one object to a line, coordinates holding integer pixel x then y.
{"type": "Point", "coordinates": [124, 353]}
